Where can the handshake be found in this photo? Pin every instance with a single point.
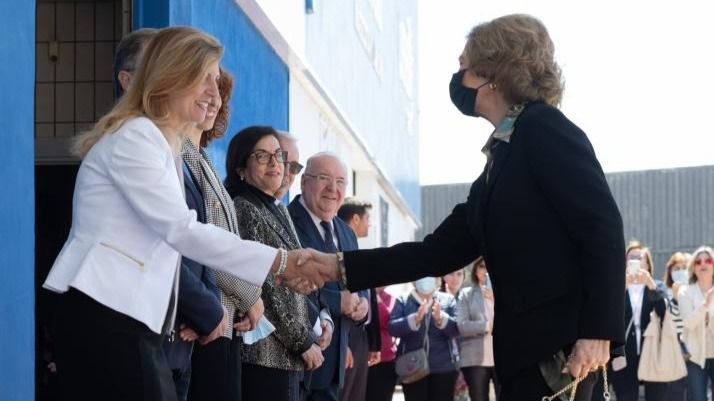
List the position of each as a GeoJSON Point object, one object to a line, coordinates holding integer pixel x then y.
{"type": "Point", "coordinates": [307, 270]}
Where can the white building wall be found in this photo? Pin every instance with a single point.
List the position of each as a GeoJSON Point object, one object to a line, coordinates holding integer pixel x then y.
{"type": "Point", "coordinates": [336, 104]}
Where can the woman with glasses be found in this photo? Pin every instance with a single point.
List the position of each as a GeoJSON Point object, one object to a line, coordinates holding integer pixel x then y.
{"type": "Point", "coordinates": [272, 367]}
{"type": "Point", "coordinates": [696, 307]}
{"type": "Point", "coordinates": [118, 270]}
{"type": "Point", "coordinates": [643, 295]}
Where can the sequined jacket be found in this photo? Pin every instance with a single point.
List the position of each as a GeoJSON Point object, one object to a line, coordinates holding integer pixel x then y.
{"type": "Point", "coordinates": [285, 309]}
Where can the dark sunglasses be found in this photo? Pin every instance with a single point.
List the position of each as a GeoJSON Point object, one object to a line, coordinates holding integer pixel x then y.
{"type": "Point", "coordinates": [294, 167]}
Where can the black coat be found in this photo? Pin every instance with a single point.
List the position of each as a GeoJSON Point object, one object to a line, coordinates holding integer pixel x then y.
{"type": "Point", "coordinates": [551, 235]}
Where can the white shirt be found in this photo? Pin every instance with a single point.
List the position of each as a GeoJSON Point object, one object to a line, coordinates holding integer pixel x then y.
{"type": "Point", "coordinates": [317, 222]}
{"type": "Point", "coordinates": [637, 294]}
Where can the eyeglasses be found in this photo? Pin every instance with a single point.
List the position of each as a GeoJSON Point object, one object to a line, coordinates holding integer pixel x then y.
{"type": "Point", "coordinates": [264, 157]}
{"type": "Point", "coordinates": [294, 167]}
{"type": "Point", "coordinates": [700, 262]}
{"type": "Point", "coordinates": [325, 179]}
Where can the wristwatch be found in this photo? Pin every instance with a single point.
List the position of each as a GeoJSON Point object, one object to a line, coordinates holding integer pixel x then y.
{"type": "Point", "coordinates": [342, 269]}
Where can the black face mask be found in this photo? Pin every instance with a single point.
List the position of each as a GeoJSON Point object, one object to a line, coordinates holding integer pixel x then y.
{"type": "Point", "coordinates": [463, 97]}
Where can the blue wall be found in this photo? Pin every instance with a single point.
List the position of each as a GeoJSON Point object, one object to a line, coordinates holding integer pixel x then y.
{"type": "Point", "coordinates": [260, 92]}
{"type": "Point", "coordinates": [17, 211]}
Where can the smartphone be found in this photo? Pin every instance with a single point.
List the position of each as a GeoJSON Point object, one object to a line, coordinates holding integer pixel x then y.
{"type": "Point", "coordinates": [633, 267]}
{"type": "Point", "coordinates": [488, 282]}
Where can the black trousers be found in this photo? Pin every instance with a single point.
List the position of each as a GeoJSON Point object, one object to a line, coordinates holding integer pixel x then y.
{"type": "Point", "coordinates": [262, 384]}
{"type": "Point", "coordinates": [478, 378]}
{"type": "Point", "coordinates": [381, 380]}
{"type": "Point", "coordinates": [216, 370]}
{"type": "Point", "coordinates": [356, 377]}
{"type": "Point", "coordinates": [106, 355]}
{"type": "Point", "coordinates": [435, 387]}
{"type": "Point", "coordinates": [330, 393]}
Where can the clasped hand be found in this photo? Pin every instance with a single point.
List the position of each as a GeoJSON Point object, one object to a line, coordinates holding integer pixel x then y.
{"type": "Point", "coordinates": [308, 269]}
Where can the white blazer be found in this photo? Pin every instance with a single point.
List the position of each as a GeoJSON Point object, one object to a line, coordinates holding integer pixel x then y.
{"type": "Point", "coordinates": [130, 225]}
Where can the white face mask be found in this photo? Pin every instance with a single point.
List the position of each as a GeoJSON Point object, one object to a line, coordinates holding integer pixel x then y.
{"type": "Point", "coordinates": [680, 276]}
{"type": "Point", "coordinates": [426, 285]}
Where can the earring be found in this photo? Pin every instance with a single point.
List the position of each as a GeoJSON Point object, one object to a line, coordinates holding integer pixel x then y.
{"type": "Point", "coordinates": [492, 86]}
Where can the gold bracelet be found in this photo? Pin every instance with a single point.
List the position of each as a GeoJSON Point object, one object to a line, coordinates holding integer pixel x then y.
{"type": "Point", "coordinates": [343, 269]}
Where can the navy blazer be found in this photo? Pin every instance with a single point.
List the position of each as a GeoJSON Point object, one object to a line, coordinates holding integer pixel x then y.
{"type": "Point", "coordinates": [332, 371]}
{"type": "Point", "coordinates": [442, 358]}
{"type": "Point", "coordinates": [550, 232]}
{"type": "Point", "coordinates": [198, 300]}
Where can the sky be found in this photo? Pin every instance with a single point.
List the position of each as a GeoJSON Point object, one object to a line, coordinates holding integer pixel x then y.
{"type": "Point", "coordinates": [639, 80]}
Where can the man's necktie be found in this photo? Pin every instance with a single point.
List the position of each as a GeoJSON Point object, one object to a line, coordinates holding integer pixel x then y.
{"type": "Point", "coordinates": [329, 239]}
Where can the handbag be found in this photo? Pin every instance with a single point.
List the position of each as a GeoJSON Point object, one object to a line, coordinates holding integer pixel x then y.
{"type": "Point", "coordinates": [414, 365]}
{"type": "Point", "coordinates": [661, 359]}
{"type": "Point", "coordinates": [573, 388]}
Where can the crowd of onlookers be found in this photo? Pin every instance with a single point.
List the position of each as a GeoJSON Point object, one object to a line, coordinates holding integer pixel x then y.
{"type": "Point", "coordinates": [462, 320]}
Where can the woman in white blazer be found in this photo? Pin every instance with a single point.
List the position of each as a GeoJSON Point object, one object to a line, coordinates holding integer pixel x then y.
{"type": "Point", "coordinates": [130, 224]}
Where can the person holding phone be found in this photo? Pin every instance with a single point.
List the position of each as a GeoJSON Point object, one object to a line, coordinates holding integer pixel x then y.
{"type": "Point", "coordinates": [643, 295]}
{"type": "Point", "coordinates": [425, 311]}
{"type": "Point", "coordinates": [474, 317]}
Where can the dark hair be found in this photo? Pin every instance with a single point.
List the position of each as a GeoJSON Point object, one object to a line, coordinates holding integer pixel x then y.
{"type": "Point", "coordinates": [239, 151]}
{"type": "Point", "coordinates": [474, 277]}
{"type": "Point", "coordinates": [352, 207]}
{"type": "Point", "coordinates": [128, 49]}
{"type": "Point", "coordinates": [220, 126]}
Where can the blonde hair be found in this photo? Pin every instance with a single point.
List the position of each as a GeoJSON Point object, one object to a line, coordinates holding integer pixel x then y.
{"type": "Point", "coordinates": [517, 55]}
{"type": "Point", "coordinates": [690, 265]}
{"type": "Point", "coordinates": [174, 62]}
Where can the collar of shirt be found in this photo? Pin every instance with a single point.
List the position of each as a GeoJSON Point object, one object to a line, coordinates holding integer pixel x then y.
{"type": "Point", "coordinates": [316, 220]}
{"type": "Point", "coordinates": [504, 130]}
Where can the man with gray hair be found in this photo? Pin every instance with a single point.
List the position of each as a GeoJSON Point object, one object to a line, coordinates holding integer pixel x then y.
{"type": "Point", "coordinates": [292, 165]}
{"type": "Point", "coordinates": [314, 214]}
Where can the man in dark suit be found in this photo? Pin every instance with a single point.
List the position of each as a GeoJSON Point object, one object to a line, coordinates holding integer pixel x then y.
{"type": "Point", "coordinates": [199, 311]}
{"type": "Point", "coordinates": [314, 217]}
{"type": "Point", "coordinates": [365, 340]}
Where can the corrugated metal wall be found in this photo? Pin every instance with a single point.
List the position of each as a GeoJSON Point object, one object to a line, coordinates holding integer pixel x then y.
{"type": "Point", "coordinates": [437, 202]}
{"type": "Point", "coordinates": [668, 210]}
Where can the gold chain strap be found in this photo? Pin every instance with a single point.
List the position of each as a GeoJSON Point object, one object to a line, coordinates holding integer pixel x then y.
{"type": "Point", "coordinates": [573, 388]}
